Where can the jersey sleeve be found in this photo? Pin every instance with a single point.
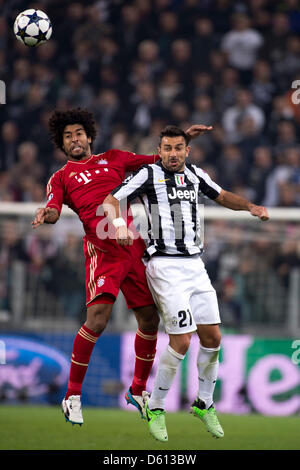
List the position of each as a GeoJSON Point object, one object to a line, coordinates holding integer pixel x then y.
{"type": "Point", "coordinates": [133, 186]}
{"type": "Point", "coordinates": [133, 162]}
{"type": "Point", "coordinates": [207, 186]}
{"type": "Point", "coordinates": [55, 192]}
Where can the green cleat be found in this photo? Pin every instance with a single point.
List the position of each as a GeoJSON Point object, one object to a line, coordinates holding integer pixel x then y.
{"type": "Point", "coordinates": [156, 423]}
{"type": "Point", "coordinates": [208, 417]}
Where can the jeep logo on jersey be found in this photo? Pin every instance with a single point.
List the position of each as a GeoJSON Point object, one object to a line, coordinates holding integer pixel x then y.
{"type": "Point", "coordinates": [185, 194]}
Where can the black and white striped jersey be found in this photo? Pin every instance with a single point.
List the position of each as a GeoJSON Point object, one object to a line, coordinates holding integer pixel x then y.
{"type": "Point", "coordinates": [171, 203]}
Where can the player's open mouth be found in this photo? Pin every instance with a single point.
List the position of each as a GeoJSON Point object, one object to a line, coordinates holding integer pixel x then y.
{"type": "Point", "coordinates": [75, 149]}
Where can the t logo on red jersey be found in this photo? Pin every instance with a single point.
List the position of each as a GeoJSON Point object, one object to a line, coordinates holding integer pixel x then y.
{"type": "Point", "coordinates": [83, 176]}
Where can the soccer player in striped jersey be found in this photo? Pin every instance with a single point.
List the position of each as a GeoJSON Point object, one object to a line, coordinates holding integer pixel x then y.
{"type": "Point", "coordinates": [82, 184]}
{"type": "Point", "coordinates": [175, 271]}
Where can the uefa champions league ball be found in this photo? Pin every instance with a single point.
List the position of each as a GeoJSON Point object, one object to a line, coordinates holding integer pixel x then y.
{"type": "Point", "coordinates": [32, 27]}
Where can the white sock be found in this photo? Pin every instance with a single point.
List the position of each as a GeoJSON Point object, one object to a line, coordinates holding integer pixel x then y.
{"type": "Point", "coordinates": [167, 368]}
{"type": "Point", "coordinates": [208, 367]}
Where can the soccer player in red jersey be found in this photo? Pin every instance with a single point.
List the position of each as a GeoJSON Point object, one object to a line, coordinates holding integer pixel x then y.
{"type": "Point", "coordinates": [82, 184]}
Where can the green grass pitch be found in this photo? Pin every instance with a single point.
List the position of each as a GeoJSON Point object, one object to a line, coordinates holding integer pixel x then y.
{"type": "Point", "coordinates": [44, 428]}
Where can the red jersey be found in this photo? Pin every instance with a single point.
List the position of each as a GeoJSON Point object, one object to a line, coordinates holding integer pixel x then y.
{"type": "Point", "coordinates": [84, 185]}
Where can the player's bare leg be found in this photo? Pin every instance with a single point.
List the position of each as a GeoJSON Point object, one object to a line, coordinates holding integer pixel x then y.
{"type": "Point", "coordinates": [98, 316]}
{"type": "Point", "coordinates": [209, 335]}
{"type": "Point", "coordinates": [145, 348]}
{"type": "Point", "coordinates": [208, 365]}
{"type": "Point", "coordinates": [147, 318]}
{"type": "Point", "coordinates": [84, 342]}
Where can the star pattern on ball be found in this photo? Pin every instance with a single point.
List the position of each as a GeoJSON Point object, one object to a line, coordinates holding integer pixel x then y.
{"type": "Point", "coordinates": [42, 36]}
{"type": "Point", "coordinates": [22, 33]}
{"type": "Point", "coordinates": [35, 18]}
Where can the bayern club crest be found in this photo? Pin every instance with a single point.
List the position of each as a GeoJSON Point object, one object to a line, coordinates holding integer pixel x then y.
{"type": "Point", "coordinates": [100, 281]}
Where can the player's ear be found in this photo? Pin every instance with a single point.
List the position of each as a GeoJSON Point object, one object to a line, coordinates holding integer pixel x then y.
{"type": "Point", "coordinates": [89, 140]}
{"type": "Point", "coordinates": [188, 149]}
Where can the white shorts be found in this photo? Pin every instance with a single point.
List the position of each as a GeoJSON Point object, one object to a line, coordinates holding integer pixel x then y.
{"type": "Point", "coordinates": [182, 292]}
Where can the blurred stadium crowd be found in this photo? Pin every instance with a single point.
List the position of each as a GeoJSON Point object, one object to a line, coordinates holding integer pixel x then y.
{"type": "Point", "coordinates": [139, 65]}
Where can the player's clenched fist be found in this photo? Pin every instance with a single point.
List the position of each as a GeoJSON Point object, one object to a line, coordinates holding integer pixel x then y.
{"type": "Point", "coordinates": [124, 236]}
{"type": "Point", "coordinates": [259, 211]}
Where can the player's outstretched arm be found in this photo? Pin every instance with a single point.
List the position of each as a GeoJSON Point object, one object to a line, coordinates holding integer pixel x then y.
{"type": "Point", "coordinates": [238, 203]}
{"type": "Point", "coordinates": [45, 215]}
{"type": "Point", "coordinates": [196, 130]}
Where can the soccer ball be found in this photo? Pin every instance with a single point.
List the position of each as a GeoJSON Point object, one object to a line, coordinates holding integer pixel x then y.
{"type": "Point", "coordinates": [32, 27]}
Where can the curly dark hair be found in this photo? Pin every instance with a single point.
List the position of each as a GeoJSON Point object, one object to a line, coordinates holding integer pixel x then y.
{"type": "Point", "coordinates": [60, 119]}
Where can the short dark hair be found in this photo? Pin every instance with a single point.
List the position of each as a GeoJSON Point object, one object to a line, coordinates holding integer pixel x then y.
{"type": "Point", "coordinates": [173, 131]}
{"type": "Point", "coordinates": [60, 119]}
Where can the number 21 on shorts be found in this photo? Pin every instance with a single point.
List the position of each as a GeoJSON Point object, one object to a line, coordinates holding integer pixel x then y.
{"type": "Point", "coordinates": [185, 317]}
